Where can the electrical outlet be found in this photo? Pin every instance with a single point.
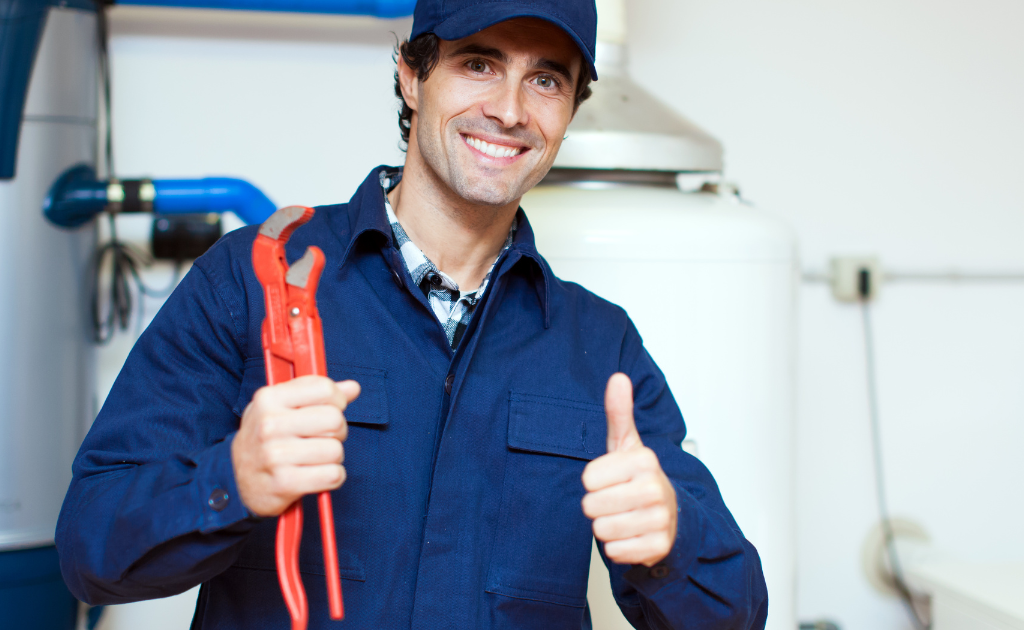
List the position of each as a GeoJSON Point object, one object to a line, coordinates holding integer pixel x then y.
{"type": "Point", "coordinates": [850, 272]}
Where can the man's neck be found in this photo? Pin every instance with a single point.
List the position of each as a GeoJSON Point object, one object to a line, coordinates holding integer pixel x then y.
{"type": "Point", "coordinates": [462, 239]}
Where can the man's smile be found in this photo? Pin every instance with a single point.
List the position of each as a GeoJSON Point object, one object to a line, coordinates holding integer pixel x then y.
{"type": "Point", "coordinates": [505, 153]}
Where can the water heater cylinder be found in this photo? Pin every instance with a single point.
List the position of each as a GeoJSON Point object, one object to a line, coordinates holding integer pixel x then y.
{"type": "Point", "coordinates": [711, 285]}
{"type": "Point", "coordinates": [45, 375]}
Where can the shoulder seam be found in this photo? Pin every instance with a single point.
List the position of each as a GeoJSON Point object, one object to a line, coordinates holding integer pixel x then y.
{"type": "Point", "coordinates": [240, 336]}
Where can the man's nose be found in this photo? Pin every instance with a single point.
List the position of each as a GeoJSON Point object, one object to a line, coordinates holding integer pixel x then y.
{"type": "Point", "coordinates": [507, 104]}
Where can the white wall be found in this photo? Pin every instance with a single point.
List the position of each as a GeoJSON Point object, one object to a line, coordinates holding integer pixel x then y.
{"type": "Point", "coordinates": [881, 127]}
{"type": "Point", "coordinates": [891, 127]}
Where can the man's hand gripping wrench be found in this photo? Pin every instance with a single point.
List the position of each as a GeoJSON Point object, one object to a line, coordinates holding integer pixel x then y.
{"type": "Point", "coordinates": [293, 345]}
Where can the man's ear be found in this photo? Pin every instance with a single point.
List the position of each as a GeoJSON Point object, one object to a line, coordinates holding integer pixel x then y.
{"type": "Point", "coordinates": [409, 83]}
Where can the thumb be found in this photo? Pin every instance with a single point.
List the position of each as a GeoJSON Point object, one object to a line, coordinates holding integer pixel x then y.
{"type": "Point", "coordinates": [618, 406]}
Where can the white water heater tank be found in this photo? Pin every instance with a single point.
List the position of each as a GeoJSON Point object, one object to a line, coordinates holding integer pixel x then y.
{"type": "Point", "coordinates": [47, 366]}
{"type": "Point", "coordinates": [710, 283]}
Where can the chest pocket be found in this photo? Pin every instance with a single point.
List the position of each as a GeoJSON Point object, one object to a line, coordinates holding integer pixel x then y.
{"type": "Point", "coordinates": [353, 502]}
{"type": "Point", "coordinates": [542, 543]}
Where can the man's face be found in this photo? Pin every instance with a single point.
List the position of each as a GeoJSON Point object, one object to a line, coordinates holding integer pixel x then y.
{"type": "Point", "coordinates": [491, 116]}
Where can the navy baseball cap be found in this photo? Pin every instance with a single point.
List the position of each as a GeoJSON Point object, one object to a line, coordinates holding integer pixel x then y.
{"type": "Point", "coordinates": [455, 19]}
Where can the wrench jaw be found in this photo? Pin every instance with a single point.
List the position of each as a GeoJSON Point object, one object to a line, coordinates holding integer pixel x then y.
{"type": "Point", "coordinates": [306, 330]}
{"type": "Point", "coordinates": [268, 256]}
{"type": "Point", "coordinates": [271, 267]}
{"type": "Point", "coordinates": [306, 270]}
{"type": "Point", "coordinates": [281, 224]}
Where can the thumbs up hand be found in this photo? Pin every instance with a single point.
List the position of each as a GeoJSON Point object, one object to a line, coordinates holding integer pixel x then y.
{"type": "Point", "coordinates": [629, 497]}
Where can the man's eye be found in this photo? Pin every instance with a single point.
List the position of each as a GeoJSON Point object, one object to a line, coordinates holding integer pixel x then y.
{"type": "Point", "coordinates": [546, 82]}
{"type": "Point", "coordinates": [478, 66]}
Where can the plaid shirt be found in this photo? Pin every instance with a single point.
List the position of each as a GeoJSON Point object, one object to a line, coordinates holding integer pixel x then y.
{"type": "Point", "coordinates": [452, 306]}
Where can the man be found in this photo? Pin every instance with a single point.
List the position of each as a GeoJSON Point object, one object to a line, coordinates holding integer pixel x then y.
{"type": "Point", "coordinates": [479, 414]}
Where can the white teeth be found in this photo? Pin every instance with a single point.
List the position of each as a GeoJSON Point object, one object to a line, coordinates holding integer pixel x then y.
{"type": "Point", "coordinates": [493, 150]}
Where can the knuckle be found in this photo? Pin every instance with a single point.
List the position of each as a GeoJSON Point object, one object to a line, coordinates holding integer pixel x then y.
{"type": "Point", "coordinates": [588, 505]}
{"type": "Point", "coordinates": [272, 454]}
{"type": "Point", "coordinates": [333, 451]}
{"type": "Point", "coordinates": [322, 387]}
{"type": "Point", "coordinates": [615, 552]}
{"type": "Point", "coordinates": [648, 459]}
{"type": "Point", "coordinates": [651, 490]}
{"type": "Point", "coordinates": [263, 398]}
{"type": "Point", "coordinates": [267, 428]}
{"type": "Point", "coordinates": [660, 517]}
{"type": "Point", "coordinates": [609, 529]}
{"type": "Point", "coordinates": [279, 483]}
{"type": "Point", "coordinates": [665, 545]}
{"type": "Point", "coordinates": [590, 474]}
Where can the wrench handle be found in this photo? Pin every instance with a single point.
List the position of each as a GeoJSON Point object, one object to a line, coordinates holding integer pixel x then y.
{"type": "Point", "coordinates": [289, 536]}
{"type": "Point", "coordinates": [334, 600]}
{"type": "Point", "coordinates": [307, 337]}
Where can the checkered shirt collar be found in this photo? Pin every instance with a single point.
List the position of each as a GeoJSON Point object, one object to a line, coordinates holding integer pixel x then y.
{"type": "Point", "coordinates": [452, 307]}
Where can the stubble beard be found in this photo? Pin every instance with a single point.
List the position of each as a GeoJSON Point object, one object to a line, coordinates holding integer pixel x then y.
{"type": "Point", "coordinates": [496, 186]}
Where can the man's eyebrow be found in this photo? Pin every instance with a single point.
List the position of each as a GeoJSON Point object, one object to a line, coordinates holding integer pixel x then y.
{"type": "Point", "coordinates": [480, 51]}
{"type": "Point", "coordinates": [553, 66]}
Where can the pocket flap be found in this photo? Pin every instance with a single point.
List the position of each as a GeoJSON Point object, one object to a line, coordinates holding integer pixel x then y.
{"type": "Point", "coordinates": [371, 407]}
{"type": "Point", "coordinates": [556, 426]}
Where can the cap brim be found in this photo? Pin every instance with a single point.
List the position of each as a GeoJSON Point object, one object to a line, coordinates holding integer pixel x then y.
{"type": "Point", "coordinates": [476, 18]}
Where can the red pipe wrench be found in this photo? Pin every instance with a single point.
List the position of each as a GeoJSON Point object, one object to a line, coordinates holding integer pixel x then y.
{"type": "Point", "coordinates": [293, 345]}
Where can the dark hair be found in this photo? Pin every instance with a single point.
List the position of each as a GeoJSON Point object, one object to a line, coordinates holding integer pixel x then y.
{"type": "Point", "coordinates": [422, 54]}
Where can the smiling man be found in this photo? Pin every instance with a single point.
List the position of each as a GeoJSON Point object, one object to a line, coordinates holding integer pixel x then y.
{"type": "Point", "coordinates": [482, 422]}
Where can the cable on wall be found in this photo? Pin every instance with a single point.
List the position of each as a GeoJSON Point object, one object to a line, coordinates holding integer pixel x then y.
{"type": "Point", "coordinates": [906, 596]}
{"type": "Point", "coordinates": [119, 259]}
{"type": "Point", "coordinates": [952, 276]}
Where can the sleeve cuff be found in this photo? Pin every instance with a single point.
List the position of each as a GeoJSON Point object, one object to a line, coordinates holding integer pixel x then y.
{"type": "Point", "coordinates": [220, 503]}
{"type": "Point", "coordinates": [676, 565]}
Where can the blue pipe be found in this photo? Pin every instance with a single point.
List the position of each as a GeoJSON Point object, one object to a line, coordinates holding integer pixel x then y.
{"type": "Point", "coordinates": [378, 8]}
{"type": "Point", "coordinates": [212, 194]}
{"type": "Point", "coordinates": [77, 196]}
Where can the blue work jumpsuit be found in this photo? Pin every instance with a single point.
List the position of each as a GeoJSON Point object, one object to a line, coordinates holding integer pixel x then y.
{"type": "Point", "coordinates": [462, 505]}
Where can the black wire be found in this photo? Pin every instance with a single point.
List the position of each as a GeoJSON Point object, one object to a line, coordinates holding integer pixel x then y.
{"type": "Point", "coordinates": [906, 595]}
{"type": "Point", "coordinates": [125, 260]}
{"type": "Point", "coordinates": [103, 38]}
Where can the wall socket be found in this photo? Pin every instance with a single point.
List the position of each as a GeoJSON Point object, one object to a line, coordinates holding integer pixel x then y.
{"type": "Point", "coordinates": [848, 272]}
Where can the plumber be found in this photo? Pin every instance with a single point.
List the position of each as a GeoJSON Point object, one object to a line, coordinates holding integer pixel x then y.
{"type": "Point", "coordinates": [483, 420]}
